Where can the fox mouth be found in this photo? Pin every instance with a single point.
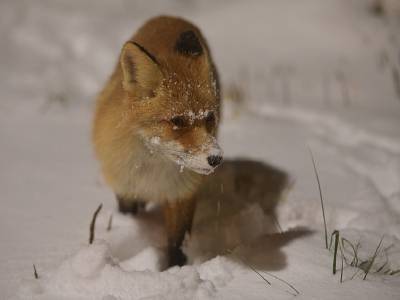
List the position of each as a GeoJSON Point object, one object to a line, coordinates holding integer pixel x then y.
{"type": "Point", "coordinates": [203, 171]}
{"type": "Point", "coordinates": [192, 164]}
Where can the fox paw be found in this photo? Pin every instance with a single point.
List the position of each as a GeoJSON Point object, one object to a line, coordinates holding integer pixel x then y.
{"type": "Point", "coordinates": [176, 258]}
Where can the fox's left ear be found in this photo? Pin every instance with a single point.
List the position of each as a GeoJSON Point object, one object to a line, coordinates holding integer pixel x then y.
{"type": "Point", "coordinates": [141, 72]}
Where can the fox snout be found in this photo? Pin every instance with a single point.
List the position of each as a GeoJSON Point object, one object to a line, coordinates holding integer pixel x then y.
{"type": "Point", "coordinates": [213, 157]}
{"type": "Point", "coordinates": [203, 161]}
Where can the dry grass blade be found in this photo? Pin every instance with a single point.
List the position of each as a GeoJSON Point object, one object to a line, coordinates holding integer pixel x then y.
{"type": "Point", "coordinates": [259, 274]}
{"type": "Point", "coordinates": [35, 273]}
{"type": "Point", "coordinates": [355, 273]}
{"type": "Point", "coordinates": [284, 281]}
{"type": "Point", "coordinates": [373, 258]}
{"type": "Point", "coordinates": [341, 272]}
{"type": "Point", "coordinates": [320, 197]}
{"type": "Point", "coordinates": [354, 261]}
{"type": "Point", "coordinates": [396, 81]}
{"type": "Point", "coordinates": [93, 223]}
{"type": "Point", "coordinates": [296, 291]}
{"type": "Point", "coordinates": [251, 267]}
{"type": "Point", "coordinates": [109, 226]}
{"type": "Point", "coordinates": [381, 267]}
{"type": "Point", "coordinates": [277, 225]}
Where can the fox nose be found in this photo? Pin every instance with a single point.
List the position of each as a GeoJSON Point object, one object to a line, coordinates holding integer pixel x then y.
{"type": "Point", "coordinates": [214, 160]}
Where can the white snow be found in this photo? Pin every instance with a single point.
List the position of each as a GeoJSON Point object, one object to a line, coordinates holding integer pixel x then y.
{"type": "Point", "coordinates": [155, 140]}
{"type": "Point", "coordinates": [296, 75]}
{"type": "Point", "coordinates": [201, 114]}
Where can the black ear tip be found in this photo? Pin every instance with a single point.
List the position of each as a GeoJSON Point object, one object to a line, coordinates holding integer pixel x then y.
{"type": "Point", "coordinates": [188, 44]}
{"type": "Point", "coordinates": [144, 50]}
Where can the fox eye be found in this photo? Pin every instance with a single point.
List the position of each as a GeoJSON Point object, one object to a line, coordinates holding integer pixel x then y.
{"type": "Point", "coordinates": [179, 121]}
{"type": "Point", "coordinates": [210, 120]}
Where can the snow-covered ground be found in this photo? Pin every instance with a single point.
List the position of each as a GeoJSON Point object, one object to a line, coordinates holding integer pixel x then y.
{"type": "Point", "coordinates": [296, 75]}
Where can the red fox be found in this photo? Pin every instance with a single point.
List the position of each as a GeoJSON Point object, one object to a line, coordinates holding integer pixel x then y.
{"type": "Point", "coordinates": [156, 122]}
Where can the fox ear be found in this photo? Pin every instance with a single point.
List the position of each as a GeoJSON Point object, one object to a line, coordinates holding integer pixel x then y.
{"type": "Point", "coordinates": [140, 69]}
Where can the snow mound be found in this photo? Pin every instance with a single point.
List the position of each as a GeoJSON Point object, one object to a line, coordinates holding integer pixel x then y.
{"type": "Point", "coordinates": [92, 273]}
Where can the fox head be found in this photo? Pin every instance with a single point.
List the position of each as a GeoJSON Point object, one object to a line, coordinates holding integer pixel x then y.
{"type": "Point", "coordinates": [172, 98]}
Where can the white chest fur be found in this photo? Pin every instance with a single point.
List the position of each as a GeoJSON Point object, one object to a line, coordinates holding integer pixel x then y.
{"type": "Point", "coordinates": [150, 176]}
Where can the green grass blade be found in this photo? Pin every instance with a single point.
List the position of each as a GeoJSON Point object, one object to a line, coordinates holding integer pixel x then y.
{"type": "Point", "coordinates": [320, 197]}
{"type": "Point", "coordinates": [336, 234]}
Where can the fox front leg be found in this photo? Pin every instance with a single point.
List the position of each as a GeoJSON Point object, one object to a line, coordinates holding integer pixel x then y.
{"type": "Point", "coordinates": [178, 219]}
{"type": "Point", "coordinates": [130, 206]}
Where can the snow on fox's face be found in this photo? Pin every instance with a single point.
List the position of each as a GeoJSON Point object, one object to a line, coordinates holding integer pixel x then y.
{"type": "Point", "coordinates": [174, 107]}
{"type": "Point", "coordinates": [187, 139]}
